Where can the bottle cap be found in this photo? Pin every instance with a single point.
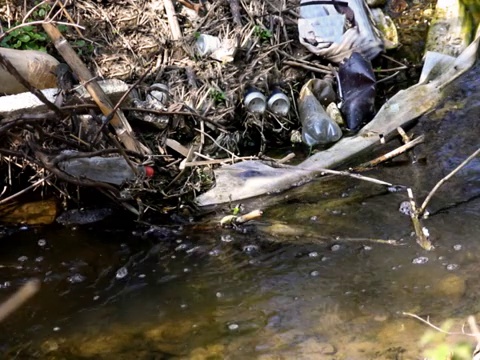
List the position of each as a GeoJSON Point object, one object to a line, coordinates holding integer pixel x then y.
{"type": "Point", "coordinates": [206, 44]}
{"type": "Point", "coordinates": [255, 101]}
{"type": "Point", "coordinates": [279, 103]}
{"type": "Point", "coordinates": [149, 172]}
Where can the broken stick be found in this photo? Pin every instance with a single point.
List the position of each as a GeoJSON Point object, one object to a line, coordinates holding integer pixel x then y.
{"type": "Point", "coordinates": [119, 121]}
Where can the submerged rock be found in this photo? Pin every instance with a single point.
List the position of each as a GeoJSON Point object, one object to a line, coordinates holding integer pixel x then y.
{"type": "Point", "coordinates": [83, 216]}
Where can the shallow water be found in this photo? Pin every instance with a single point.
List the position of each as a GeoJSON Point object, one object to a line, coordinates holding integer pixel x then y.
{"type": "Point", "coordinates": [311, 280]}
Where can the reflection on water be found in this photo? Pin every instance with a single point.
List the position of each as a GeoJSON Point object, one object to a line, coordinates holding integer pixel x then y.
{"type": "Point", "coordinates": [311, 280]}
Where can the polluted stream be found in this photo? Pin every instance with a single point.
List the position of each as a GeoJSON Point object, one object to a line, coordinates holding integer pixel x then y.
{"type": "Point", "coordinates": [312, 279]}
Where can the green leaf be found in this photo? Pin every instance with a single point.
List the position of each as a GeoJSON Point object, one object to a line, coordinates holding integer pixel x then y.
{"type": "Point", "coordinates": [25, 38]}
{"type": "Point", "coordinates": [39, 36]}
{"type": "Point", "coordinates": [28, 28]}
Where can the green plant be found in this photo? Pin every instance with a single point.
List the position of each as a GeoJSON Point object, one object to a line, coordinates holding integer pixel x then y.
{"type": "Point", "coordinates": [262, 33]}
{"type": "Point", "coordinates": [40, 12]}
{"type": "Point", "coordinates": [83, 48]}
{"type": "Point", "coordinates": [217, 96]}
{"type": "Point", "coordinates": [26, 38]}
{"type": "Point", "coordinates": [29, 37]}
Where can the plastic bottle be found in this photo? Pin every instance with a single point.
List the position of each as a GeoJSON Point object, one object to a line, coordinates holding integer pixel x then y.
{"type": "Point", "coordinates": [112, 170]}
{"type": "Point", "coordinates": [317, 126]}
{"type": "Point", "coordinates": [207, 44]}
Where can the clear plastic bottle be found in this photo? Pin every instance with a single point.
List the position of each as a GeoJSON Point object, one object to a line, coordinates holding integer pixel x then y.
{"type": "Point", "coordinates": [112, 170]}
{"type": "Point", "coordinates": [317, 126]}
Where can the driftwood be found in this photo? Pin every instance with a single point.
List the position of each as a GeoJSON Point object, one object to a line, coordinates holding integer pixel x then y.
{"type": "Point", "coordinates": [253, 178]}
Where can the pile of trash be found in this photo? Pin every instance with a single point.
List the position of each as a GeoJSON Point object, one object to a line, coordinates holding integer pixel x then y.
{"type": "Point", "coordinates": [201, 95]}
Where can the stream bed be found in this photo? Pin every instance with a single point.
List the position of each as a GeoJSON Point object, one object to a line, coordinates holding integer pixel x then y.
{"type": "Point", "coordinates": [313, 279]}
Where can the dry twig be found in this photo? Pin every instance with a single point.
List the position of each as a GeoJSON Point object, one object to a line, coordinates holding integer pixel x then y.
{"type": "Point", "coordinates": [445, 179]}
{"type": "Point", "coordinates": [19, 298]}
{"type": "Point", "coordinates": [390, 155]}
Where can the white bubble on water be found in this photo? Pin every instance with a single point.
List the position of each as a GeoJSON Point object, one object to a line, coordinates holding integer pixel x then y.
{"type": "Point", "coordinates": [452, 267]}
{"type": "Point", "coordinates": [42, 242]}
{"type": "Point", "coordinates": [250, 248]}
{"type": "Point", "coordinates": [335, 247]}
{"type": "Point", "coordinates": [76, 278]}
{"type": "Point", "coordinates": [23, 258]}
{"type": "Point", "coordinates": [121, 273]}
{"type": "Point", "coordinates": [227, 238]}
{"type": "Point", "coordinates": [214, 252]}
{"type": "Point", "coordinates": [233, 327]}
{"type": "Point", "coordinates": [313, 254]}
{"type": "Point", "coordinates": [420, 260]}
{"type": "Point", "coordinates": [457, 247]}
{"type": "Point", "coordinates": [314, 273]}
{"type": "Point", "coordinates": [141, 276]}
{"type": "Point", "coordinates": [218, 294]}
{"type": "Point", "coordinates": [405, 208]}
{"type": "Point", "coordinates": [56, 328]}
